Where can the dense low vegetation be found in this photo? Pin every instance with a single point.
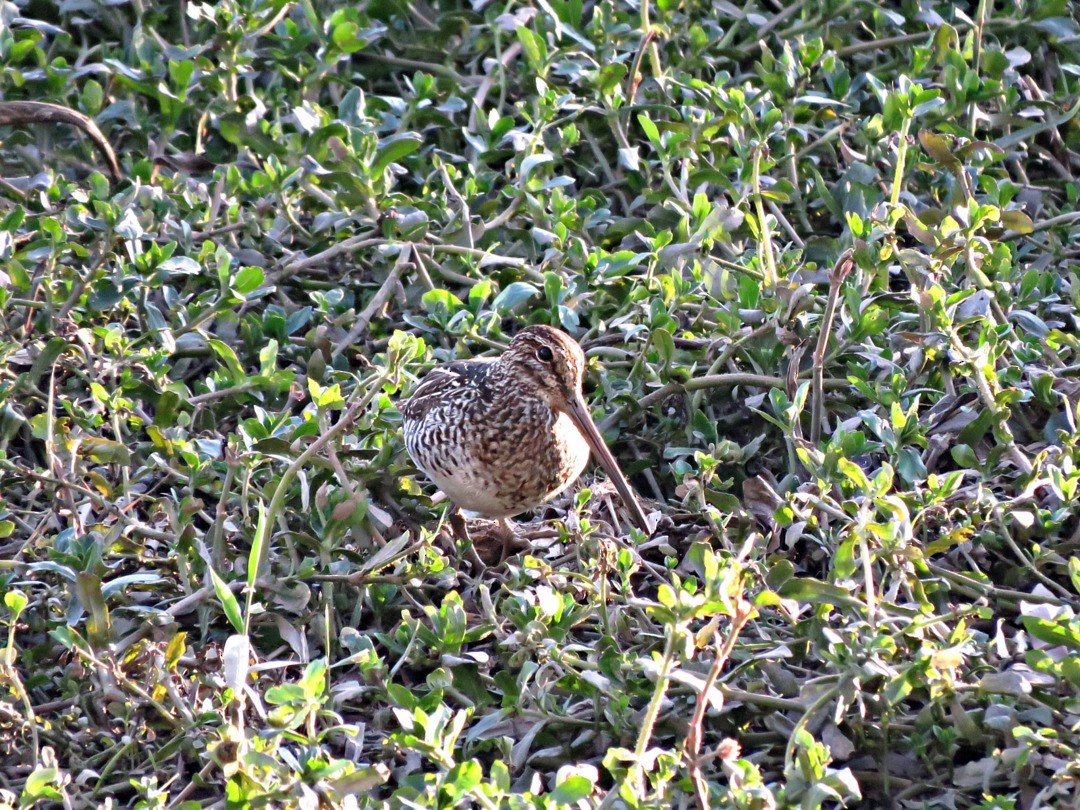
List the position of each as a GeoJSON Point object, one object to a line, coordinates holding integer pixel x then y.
{"type": "Point", "coordinates": [823, 258]}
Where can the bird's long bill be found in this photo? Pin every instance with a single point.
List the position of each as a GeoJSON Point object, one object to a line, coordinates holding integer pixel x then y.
{"type": "Point", "coordinates": [579, 412]}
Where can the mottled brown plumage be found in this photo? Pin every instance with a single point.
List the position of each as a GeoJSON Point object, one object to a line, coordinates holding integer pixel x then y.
{"type": "Point", "coordinates": [502, 435]}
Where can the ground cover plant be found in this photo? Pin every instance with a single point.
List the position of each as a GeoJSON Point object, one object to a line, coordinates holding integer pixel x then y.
{"type": "Point", "coordinates": [823, 259]}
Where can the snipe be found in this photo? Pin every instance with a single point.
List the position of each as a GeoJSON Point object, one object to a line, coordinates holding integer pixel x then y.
{"type": "Point", "coordinates": [502, 435]}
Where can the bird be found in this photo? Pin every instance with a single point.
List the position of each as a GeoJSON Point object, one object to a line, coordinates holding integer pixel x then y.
{"type": "Point", "coordinates": [502, 435]}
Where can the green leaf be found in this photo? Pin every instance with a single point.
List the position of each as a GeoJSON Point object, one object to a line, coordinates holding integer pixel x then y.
{"type": "Point", "coordinates": [98, 622]}
{"type": "Point", "coordinates": [41, 785]}
{"type": "Point", "coordinates": [532, 161]}
{"type": "Point", "coordinates": [1074, 573]}
{"type": "Point", "coordinates": [514, 294]}
{"type": "Point", "coordinates": [234, 129]}
{"type": "Point", "coordinates": [345, 36]}
{"type": "Point", "coordinates": [898, 688]}
{"type": "Point", "coordinates": [910, 465]}
{"type": "Point", "coordinates": [650, 130]}
{"type": "Point", "coordinates": [665, 346]}
{"type": "Point", "coordinates": [1054, 632]}
{"type": "Point", "coordinates": [1018, 136]}
{"type": "Point", "coordinates": [940, 147]}
{"type": "Point", "coordinates": [180, 73]}
{"type": "Point", "coordinates": [394, 149]}
{"type": "Point", "coordinates": [248, 279]}
{"type": "Point", "coordinates": [533, 47]}
{"type": "Point", "coordinates": [44, 361]}
{"type": "Point", "coordinates": [228, 601]}
{"type": "Point", "coordinates": [258, 543]}
{"type": "Point", "coordinates": [15, 601]}
{"type": "Point", "coordinates": [964, 456]}
{"type": "Point", "coordinates": [571, 790]}
{"type": "Point", "coordinates": [105, 451]}
{"type": "Point", "coordinates": [854, 473]}
{"type": "Point", "coordinates": [92, 97]}
{"type": "Point", "coordinates": [228, 355]}
{"type": "Point", "coordinates": [463, 778]}
{"type": "Point", "coordinates": [844, 562]}
{"type": "Point", "coordinates": [781, 572]}
{"type": "Point", "coordinates": [325, 397]}
{"type": "Point", "coordinates": [611, 75]}
{"type": "Point", "coordinates": [816, 592]}
{"type": "Point", "coordinates": [400, 696]}
{"type": "Point", "coordinates": [440, 301]}
{"type": "Point", "coordinates": [314, 680]}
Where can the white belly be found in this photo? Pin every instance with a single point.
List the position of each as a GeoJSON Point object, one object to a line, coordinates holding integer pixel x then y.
{"type": "Point", "coordinates": [521, 470]}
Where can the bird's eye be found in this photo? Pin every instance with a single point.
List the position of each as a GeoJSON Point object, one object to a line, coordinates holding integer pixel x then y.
{"type": "Point", "coordinates": [545, 354]}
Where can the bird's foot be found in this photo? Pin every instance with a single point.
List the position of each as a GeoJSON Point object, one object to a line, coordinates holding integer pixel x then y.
{"type": "Point", "coordinates": [490, 543]}
{"type": "Point", "coordinates": [459, 531]}
{"type": "Point", "coordinates": [494, 540]}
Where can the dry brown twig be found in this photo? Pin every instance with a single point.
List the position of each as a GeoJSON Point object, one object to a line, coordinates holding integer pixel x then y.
{"type": "Point", "coordinates": [839, 272]}
{"type": "Point", "coordinates": [15, 113]}
{"type": "Point", "coordinates": [744, 611]}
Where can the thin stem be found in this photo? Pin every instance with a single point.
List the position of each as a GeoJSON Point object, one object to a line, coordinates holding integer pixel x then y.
{"type": "Point", "coordinates": [377, 302]}
{"type": "Point", "coordinates": [789, 752]}
{"type": "Point", "coordinates": [901, 158]}
{"type": "Point", "coordinates": [648, 722]}
{"type": "Point", "coordinates": [744, 611]}
{"type": "Point", "coordinates": [989, 400]}
{"type": "Point", "coordinates": [981, 15]}
{"type": "Point", "coordinates": [709, 381]}
{"type": "Point", "coordinates": [769, 263]}
{"type": "Point", "coordinates": [635, 774]}
{"type": "Point", "coordinates": [277, 502]}
{"type": "Point", "coordinates": [11, 673]}
{"type": "Point", "coordinates": [817, 407]}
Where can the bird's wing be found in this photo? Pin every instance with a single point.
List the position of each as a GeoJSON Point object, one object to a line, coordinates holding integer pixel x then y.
{"type": "Point", "coordinates": [440, 384]}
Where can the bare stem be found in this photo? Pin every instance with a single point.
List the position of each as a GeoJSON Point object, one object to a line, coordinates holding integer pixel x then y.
{"type": "Point", "coordinates": [744, 611]}
{"type": "Point", "coordinates": [836, 282]}
{"type": "Point", "coordinates": [768, 264]}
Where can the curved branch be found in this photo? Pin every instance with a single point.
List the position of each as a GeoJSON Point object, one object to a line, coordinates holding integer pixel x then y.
{"type": "Point", "coordinates": [39, 112]}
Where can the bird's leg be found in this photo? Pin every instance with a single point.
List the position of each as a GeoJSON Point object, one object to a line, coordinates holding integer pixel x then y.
{"type": "Point", "coordinates": [506, 531]}
{"type": "Point", "coordinates": [459, 530]}
{"type": "Point", "coordinates": [514, 538]}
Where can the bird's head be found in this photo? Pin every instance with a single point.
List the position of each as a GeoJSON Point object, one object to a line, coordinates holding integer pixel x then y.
{"type": "Point", "coordinates": [550, 361]}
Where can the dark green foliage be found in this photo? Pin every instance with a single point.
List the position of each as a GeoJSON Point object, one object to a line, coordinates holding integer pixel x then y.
{"type": "Point", "coordinates": [224, 581]}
